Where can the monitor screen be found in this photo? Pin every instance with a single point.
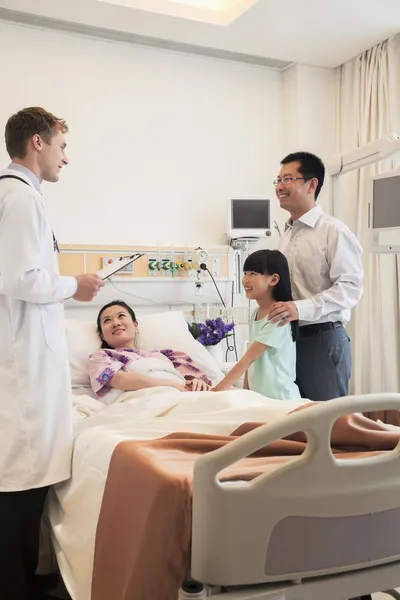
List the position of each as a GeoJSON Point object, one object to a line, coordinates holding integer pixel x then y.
{"type": "Point", "coordinates": [386, 202]}
{"type": "Point", "coordinates": [250, 214]}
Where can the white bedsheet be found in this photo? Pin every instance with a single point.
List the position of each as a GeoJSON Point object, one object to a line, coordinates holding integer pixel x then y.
{"type": "Point", "coordinates": [74, 506]}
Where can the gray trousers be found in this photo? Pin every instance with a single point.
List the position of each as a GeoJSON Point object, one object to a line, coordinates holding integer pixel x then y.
{"type": "Point", "coordinates": [323, 366]}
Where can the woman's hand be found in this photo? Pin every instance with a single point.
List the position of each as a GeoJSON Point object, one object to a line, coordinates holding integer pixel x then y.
{"type": "Point", "coordinates": [179, 386]}
{"type": "Point", "coordinates": [197, 385]}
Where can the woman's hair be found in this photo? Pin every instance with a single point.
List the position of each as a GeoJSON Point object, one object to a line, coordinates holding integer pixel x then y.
{"type": "Point", "coordinates": [268, 262]}
{"type": "Point", "coordinates": [113, 303]}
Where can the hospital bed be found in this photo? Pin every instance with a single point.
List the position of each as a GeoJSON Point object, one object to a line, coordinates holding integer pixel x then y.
{"type": "Point", "coordinates": [317, 528]}
{"type": "Point", "coordinates": [310, 526]}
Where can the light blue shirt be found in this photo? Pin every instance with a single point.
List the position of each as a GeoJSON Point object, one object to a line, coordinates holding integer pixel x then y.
{"type": "Point", "coordinates": [273, 374]}
{"type": "Point", "coordinates": [33, 178]}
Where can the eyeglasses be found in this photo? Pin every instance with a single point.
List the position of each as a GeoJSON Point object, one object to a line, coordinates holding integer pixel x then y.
{"type": "Point", "coordinates": [288, 180]}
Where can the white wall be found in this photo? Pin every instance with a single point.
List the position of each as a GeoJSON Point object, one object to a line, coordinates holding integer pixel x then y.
{"type": "Point", "coordinates": [310, 115]}
{"type": "Point", "coordinates": [158, 141]}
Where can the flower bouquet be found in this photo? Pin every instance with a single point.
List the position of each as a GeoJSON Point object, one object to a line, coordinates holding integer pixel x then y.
{"type": "Point", "coordinates": [211, 332]}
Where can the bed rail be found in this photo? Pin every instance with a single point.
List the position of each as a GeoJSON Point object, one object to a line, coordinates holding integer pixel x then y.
{"type": "Point", "coordinates": [314, 515]}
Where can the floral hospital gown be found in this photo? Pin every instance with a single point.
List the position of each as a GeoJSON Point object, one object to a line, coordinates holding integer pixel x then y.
{"type": "Point", "coordinates": [103, 365]}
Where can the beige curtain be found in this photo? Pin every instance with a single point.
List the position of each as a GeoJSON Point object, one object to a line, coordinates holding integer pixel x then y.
{"type": "Point", "coordinates": [369, 107]}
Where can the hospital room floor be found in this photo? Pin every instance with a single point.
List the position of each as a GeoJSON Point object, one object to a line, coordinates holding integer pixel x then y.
{"type": "Point", "coordinates": [61, 594]}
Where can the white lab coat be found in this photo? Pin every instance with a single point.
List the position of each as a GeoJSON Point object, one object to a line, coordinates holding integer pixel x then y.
{"type": "Point", "coordinates": [35, 390]}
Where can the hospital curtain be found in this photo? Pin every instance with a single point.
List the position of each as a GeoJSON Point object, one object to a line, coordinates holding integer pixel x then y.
{"type": "Point", "coordinates": [369, 107]}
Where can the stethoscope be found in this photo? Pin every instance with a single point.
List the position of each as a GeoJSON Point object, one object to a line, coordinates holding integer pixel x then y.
{"type": "Point", "coordinates": [55, 244]}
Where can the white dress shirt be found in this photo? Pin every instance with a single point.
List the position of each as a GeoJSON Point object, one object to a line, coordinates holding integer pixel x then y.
{"type": "Point", "coordinates": [325, 265]}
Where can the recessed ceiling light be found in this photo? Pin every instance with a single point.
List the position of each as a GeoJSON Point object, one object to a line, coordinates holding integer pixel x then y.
{"type": "Point", "coordinates": [220, 12]}
{"type": "Point", "coordinates": [208, 4]}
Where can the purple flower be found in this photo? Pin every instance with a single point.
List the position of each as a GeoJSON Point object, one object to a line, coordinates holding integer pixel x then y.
{"type": "Point", "coordinates": [105, 376]}
{"type": "Point", "coordinates": [124, 359]}
{"type": "Point", "coordinates": [211, 332]}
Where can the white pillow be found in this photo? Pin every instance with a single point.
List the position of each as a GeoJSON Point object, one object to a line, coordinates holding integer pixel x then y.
{"type": "Point", "coordinates": [158, 331]}
{"type": "Point", "coordinates": [82, 340]}
{"type": "Point", "coordinates": [170, 330]}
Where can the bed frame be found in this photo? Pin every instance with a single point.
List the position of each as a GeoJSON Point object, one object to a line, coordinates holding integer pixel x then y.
{"type": "Point", "coordinates": [317, 527]}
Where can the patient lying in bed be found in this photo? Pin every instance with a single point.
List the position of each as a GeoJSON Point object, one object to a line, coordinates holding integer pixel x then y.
{"type": "Point", "coordinates": [120, 366]}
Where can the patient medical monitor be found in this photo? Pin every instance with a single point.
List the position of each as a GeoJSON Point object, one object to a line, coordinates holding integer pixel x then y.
{"type": "Point", "coordinates": [248, 218]}
{"type": "Point", "coordinates": [384, 217]}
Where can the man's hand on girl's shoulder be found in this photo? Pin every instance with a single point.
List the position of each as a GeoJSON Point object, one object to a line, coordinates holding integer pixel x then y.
{"type": "Point", "coordinates": [283, 312]}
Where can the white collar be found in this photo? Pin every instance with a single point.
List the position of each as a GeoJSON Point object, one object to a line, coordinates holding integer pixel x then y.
{"type": "Point", "coordinates": [32, 178]}
{"type": "Point", "coordinates": [310, 218]}
{"type": "Point", "coordinates": [19, 174]}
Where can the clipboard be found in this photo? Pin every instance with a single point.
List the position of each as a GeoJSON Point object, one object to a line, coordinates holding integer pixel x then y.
{"type": "Point", "coordinates": [118, 264]}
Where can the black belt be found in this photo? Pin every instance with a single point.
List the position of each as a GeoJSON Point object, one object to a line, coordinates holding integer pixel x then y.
{"type": "Point", "coordinates": [316, 328]}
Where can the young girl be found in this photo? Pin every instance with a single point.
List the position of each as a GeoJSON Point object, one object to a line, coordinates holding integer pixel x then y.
{"type": "Point", "coordinates": [270, 362]}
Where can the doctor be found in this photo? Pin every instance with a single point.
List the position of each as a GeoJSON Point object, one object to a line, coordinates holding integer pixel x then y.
{"type": "Point", "coordinates": [35, 404]}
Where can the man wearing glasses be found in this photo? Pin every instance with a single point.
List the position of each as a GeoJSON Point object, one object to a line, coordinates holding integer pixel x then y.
{"type": "Point", "coordinates": [326, 270]}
